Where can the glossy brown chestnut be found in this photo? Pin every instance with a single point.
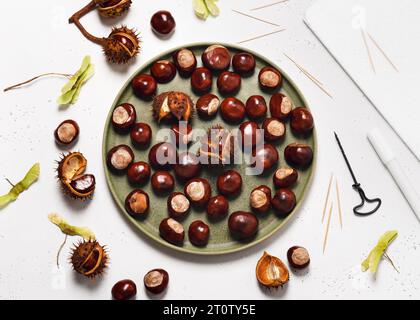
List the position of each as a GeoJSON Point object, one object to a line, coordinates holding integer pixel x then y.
{"type": "Point", "coordinates": [185, 61]}
{"type": "Point", "coordinates": [301, 121]}
{"type": "Point", "coordinates": [124, 290]}
{"type": "Point", "coordinates": [229, 183]}
{"type": "Point", "coordinates": [178, 205]}
{"type": "Point", "coordinates": [298, 155]}
{"type": "Point", "coordinates": [163, 23]}
{"type": "Point", "coordinates": [298, 257]}
{"type": "Point", "coordinates": [216, 57]}
{"type": "Point", "coordinates": [250, 135]}
{"type": "Point", "coordinates": [256, 107]}
{"type": "Point", "coordinates": [232, 110]}
{"type": "Point", "coordinates": [172, 231]}
{"type": "Point", "coordinates": [84, 184]}
{"type": "Point", "coordinates": [207, 105]}
{"type": "Point", "coordinates": [182, 132]}
{"type": "Point", "coordinates": [260, 199]}
{"type": "Point", "coordinates": [187, 166]}
{"type": "Point", "coordinates": [141, 134]}
{"type": "Point", "coordinates": [280, 106]}
{"type": "Point", "coordinates": [285, 177]}
{"type": "Point", "coordinates": [218, 207]}
{"type": "Point", "coordinates": [265, 157]}
{"type": "Point", "coordinates": [163, 71]}
{"type": "Point", "coordinates": [156, 281]}
{"type": "Point", "coordinates": [243, 63]}
{"type": "Point", "coordinates": [120, 157]}
{"type": "Point", "coordinates": [243, 225]}
{"type": "Point", "coordinates": [274, 129]}
{"type": "Point", "coordinates": [198, 191]}
{"type": "Point", "coordinates": [162, 156]}
{"type": "Point", "coordinates": [229, 83]}
{"type": "Point", "coordinates": [199, 233]}
{"type": "Point", "coordinates": [283, 202]}
{"type": "Point", "coordinates": [137, 203]}
{"type": "Point", "coordinates": [124, 116]}
{"type": "Point", "coordinates": [270, 78]}
{"type": "Point", "coordinates": [144, 86]}
{"type": "Point", "coordinates": [139, 172]}
{"type": "Point", "coordinates": [162, 182]}
{"type": "Point", "coordinates": [67, 132]}
{"type": "Point", "coordinates": [201, 80]}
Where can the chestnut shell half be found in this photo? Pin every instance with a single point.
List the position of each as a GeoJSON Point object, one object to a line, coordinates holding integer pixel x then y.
{"type": "Point", "coordinates": [271, 272]}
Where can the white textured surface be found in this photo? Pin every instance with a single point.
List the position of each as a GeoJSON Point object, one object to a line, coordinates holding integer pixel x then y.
{"type": "Point", "coordinates": [36, 38]}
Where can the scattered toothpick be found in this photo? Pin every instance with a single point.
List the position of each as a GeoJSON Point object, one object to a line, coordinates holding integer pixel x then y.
{"type": "Point", "coordinates": [382, 51]}
{"type": "Point", "coordinates": [261, 36]}
{"type": "Point", "coordinates": [269, 5]}
{"type": "Point", "coordinates": [256, 18]}
{"type": "Point", "coordinates": [328, 228]}
{"type": "Point", "coordinates": [326, 198]}
{"type": "Point", "coordinates": [340, 214]}
{"type": "Point", "coordinates": [368, 50]}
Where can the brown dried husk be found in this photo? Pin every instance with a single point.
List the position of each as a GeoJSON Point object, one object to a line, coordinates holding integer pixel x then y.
{"type": "Point", "coordinates": [89, 258]}
{"type": "Point", "coordinates": [271, 271]}
{"type": "Point", "coordinates": [113, 11]}
{"type": "Point", "coordinates": [172, 104]}
{"type": "Point", "coordinates": [116, 51]}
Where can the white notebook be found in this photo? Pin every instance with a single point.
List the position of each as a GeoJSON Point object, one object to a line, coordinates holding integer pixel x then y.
{"type": "Point", "coordinates": [395, 27]}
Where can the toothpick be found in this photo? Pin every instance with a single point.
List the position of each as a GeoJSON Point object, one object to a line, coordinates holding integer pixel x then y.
{"type": "Point", "coordinates": [269, 5]}
{"type": "Point", "coordinates": [340, 214]}
{"type": "Point", "coordinates": [368, 50]}
{"type": "Point", "coordinates": [327, 197]}
{"type": "Point", "coordinates": [382, 51]}
{"type": "Point", "coordinates": [328, 228]}
{"type": "Point", "coordinates": [261, 36]}
{"type": "Point", "coordinates": [256, 18]}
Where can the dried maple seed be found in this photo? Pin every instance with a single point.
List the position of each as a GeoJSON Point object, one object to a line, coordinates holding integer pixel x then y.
{"type": "Point", "coordinates": [271, 272]}
{"type": "Point", "coordinates": [298, 155]}
{"type": "Point", "coordinates": [172, 105]}
{"type": "Point", "coordinates": [201, 80]}
{"type": "Point", "coordinates": [144, 86]}
{"type": "Point", "coordinates": [163, 23]}
{"type": "Point", "coordinates": [162, 182]}
{"type": "Point", "coordinates": [280, 106]}
{"type": "Point", "coordinates": [137, 203]}
{"type": "Point", "coordinates": [283, 202]}
{"type": "Point", "coordinates": [228, 83]}
{"type": "Point", "coordinates": [207, 105]}
{"type": "Point", "coordinates": [156, 281]}
{"type": "Point", "coordinates": [124, 290]}
{"type": "Point", "coordinates": [260, 199]}
{"type": "Point", "coordinates": [243, 63]}
{"type": "Point", "coordinates": [164, 71]}
{"type": "Point", "coordinates": [218, 207]}
{"type": "Point", "coordinates": [229, 183]}
{"type": "Point", "coordinates": [66, 132]}
{"type": "Point", "coordinates": [285, 177]}
{"type": "Point", "coordinates": [112, 8]}
{"type": "Point", "coordinates": [232, 110]}
{"type": "Point", "coordinates": [185, 61]}
{"type": "Point", "coordinates": [172, 231]}
{"type": "Point", "coordinates": [199, 233]}
{"type": "Point", "coordinates": [124, 116]}
{"type": "Point", "coordinates": [178, 205]}
{"type": "Point", "coordinates": [298, 257]}
{"type": "Point", "coordinates": [301, 121]}
{"type": "Point", "coordinates": [141, 135]}
{"type": "Point", "coordinates": [217, 146]}
{"type": "Point", "coordinates": [198, 191]}
{"type": "Point", "coordinates": [270, 78]}
{"type": "Point", "coordinates": [89, 258]}
{"type": "Point", "coordinates": [120, 157]}
{"type": "Point", "coordinates": [256, 107]}
{"type": "Point", "coordinates": [216, 57]}
{"type": "Point", "coordinates": [243, 225]}
{"type": "Point", "coordinates": [162, 156]}
{"type": "Point", "coordinates": [274, 129]}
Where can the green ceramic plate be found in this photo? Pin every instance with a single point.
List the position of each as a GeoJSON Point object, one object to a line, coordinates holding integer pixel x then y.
{"type": "Point", "coordinates": [220, 240]}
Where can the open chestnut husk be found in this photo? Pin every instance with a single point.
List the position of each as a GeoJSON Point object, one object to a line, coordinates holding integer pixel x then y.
{"type": "Point", "coordinates": [217, 207]}
{"type": "Point", "coordinates": [163, 71]}
{"type": "Point", "coordinates": [172, 105]}
{"type": "Point", "coordinates": [260, 199]}
{"type": "Point", "coordinates": [163, 23]}
{"type": "Point", "coordinates": [144, 86]}
{"type": "Point", "coordinates": [123, 117]}
{"type": "Point", "coordinates": [207, 105]}
{"type": "Point", "coordinates": [124, 290]}
{"type": "Point", "coordinates": [265, 157]}
{"type": "Point", "coordinates": [198, 191]}
{"type": "Point", "coordinates": [172, 231]}
{"type": "Point", "coordinates": [67, 132]}
{"type": "Point", "coordinates": [281, 106]}
{"type": "Point", "coordinates": [112, 8]}
{"type": "Point", "coordinates": [298, 155]}
{"type": "Point", "coordinates": [156, 281]}
{"type": "Point", "coordinates": [89, 258]}
{"type": "Point", "coordinates": [285, 177]}
{"type": "Point", "coordinates": [141, 135]}
{"type": "Point", "coordinates": [229, 83]}
{"type": "Point", "coordinates": [232, 110]}
{"type": "Point", "coordinates": [274, 130]}
{"type": "Point", "coordinates": [162, 156]}
{"type": "Point", "coordinates": [185, 61]}
{"type": "Point", "coordinates": [283, 202]}
{"type": "Point", "coordinates": [301, 121]}
{"type": "Point", "coordinates": [229, 183]}
{"type": "Point", "coordinates": [178, 205]}
{"type": "Point", "coordinates": [137, 203]}
{"type": "Point", "coordinates": [199, 233]}
{"type": "Point", "coordinates": [298, 257]}
{"type": "Point", "coordinates": [139, 172]}
{"type": "Point", "coordinates": [243, 225]}
{"type": "Point", "coordinates": [187, 167]}
{"type": "Point", "coordinates": [162, 182]}
{"type": "Point", "coordinates": [201, 80]}
{"type": "Point", "coordinates": [216, 57]}
{"type": "Point", "coordinates": [217, 146]}
{"type": "Point", "coordinates": [243, 63]}
{"type": "Point", "coordinates": [270, 78]}
{"type": "Point", "coordinates": [256, 107]}
{"type": "Point", "coordinates": [119, 158]}
{"type": "Point", "coordinates": [271, 272]}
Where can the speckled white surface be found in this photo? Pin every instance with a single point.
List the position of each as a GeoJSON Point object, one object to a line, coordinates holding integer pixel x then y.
{"type": "Point", "coordinates": [36, 38]}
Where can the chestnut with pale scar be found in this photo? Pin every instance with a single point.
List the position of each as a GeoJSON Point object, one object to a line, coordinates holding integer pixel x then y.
{"type": "Point", "coordinates": [67, 132]}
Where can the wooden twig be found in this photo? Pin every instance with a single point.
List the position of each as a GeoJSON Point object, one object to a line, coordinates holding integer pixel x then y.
{"type": "Point", "coordinates": [268, 5]}
{"type": "Point", "coordinates": [383, 52]}
{"type": "Point", "coordinates": [368, 50]}
{"type": "Point", "coordinates": [340, 214]}
{"type": "Point", "coordinates": [256, 18]}
{"type": "Point", "coordinates": [390, 261]}
{"type": "Point", "coordinates": [36, 78]}
{"type": "Point", "coordinates": [261, 36]}
{"type": "Point", "coordinates": [10, 182]}
{"type": "Point", "coordinates": [328, 228]}
{"type": "Point", "coordinates": [326, 198]}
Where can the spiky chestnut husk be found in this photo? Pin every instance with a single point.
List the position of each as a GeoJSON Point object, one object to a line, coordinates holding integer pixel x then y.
{"type": "Point", "coordinates": [218, 146]}
{"type": "Point", "coordinates": [89, 258]}
{"type": "Point", "coordinates": [121, 45]}
{"type": "Point", "coordinates": [112, 8]}
{"type": "Point", "coordinates": [172, 104]}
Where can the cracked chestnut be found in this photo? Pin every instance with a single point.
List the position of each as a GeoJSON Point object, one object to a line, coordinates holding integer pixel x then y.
{"type": "Point", "coordinates": [124, 116]}
{"type": "Point", "coordinates": [207, 105]}
{"type": "Point", "coordinates": [144, 86]}
{"type": "Point", "coordinates": [243, 225]}
{"type": "Point", "coordinates": [67, 132]}
{"type": "Point", "coordinates": [298, 257]}
{"type": "Point", "coordinates": [232, 110]}
{"type": "Point", "coordinates": [265, 157]}
{"type": "Point", "coordinates": [137, 203]}
{"type": "Point", "coordinates": [124, 290]}
{"type": "Point", "coordinates": [229, 83]}
{"type": "Point", "coordinates": [217, 207]}
{"type": "Point", "coordinates": [120, 157]}
{"type": "Point", "coordinates": [141, 134]}
{"type": "Point", "coordinates": [156, 281]}
{"type": "Point", "coordinates": [139, 172]}
{"type": "Point", "coordinates": [283, 202]}
{"type": "Point", "coordinates": [256, 107]}
{"type": "Point", "coordinates": [243, 63]}
{"type": "Point", "coordinates": [274, 130]}
{"type": "Point", "coordinates": [185, 61]}
{"type": "Point", "coordinates": [163, 23]}
{"type": "Point", "coordinates": [172, 231]}
{"type": "Point", "coordinates": [162, 156]}
{"type": "Point", "coordinates": [298, 155]}
{"type": "Point", "coordinates": [162, 182]}
{"type": "Point", "coordinates": [301, 121]}
{"type": "Point", "coordinates": [163, 71]}
{"type": "Point", "coordinates": [178, 205]}
{"type": "Point", "coordinates": [198, 191]}
{"type": "Point", "coordinates": [260, 199]}
{"type": "Point", "coordinates": [216, 57]}
{"type": "Point", "coordinates": [187, 166]}
{"type": "Point", "coordinates": [270, 78]}
{"type": "Point", "coordinates": [280, 106]}
{"type": "Point", "coordinates": [201, 80]}
{"type": "Point", "coordinates": [250, 135]}
{"type": "Point", "coordinates": [199, 233]}
{"type": "Point", "coordinates": [229, 183]}
{"type": "Point", "coordinates": [285, 177]}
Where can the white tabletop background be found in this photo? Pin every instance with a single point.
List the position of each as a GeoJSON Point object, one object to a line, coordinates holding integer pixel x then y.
{"type": "Point", "coordinates": [36, 39]}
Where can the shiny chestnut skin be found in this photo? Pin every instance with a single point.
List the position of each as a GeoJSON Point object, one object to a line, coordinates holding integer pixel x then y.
{"type": "Point", "coordinates": [123, 117]}
{"type": "Point", "coordinates": [178, 205]}
{"type": "Point", "coordinates": [298, 257]}
{"type": "Point", "coordinates": [199, 233]}
{"type": "Point", "coordinates": [139, 172]}
{"type": "Point", "coordinates": [274, 130]}
{"type": "Point", "coordinates": [229, 83]}
{"type": "Point", "coordinates": [207, 105]}
{"type": "Point", "coordinates": [67, 132]}
{"type": "Point", "coordinates": [141, 134]}
{"type": "Point", "coordinates": [182, 132]}
{"type": "Point", "coordinates": [185, 61]}
{"type": "Point", "coordinates": [250, 134]}
{"type": "Point", "coordinates": [232, 110]}
{"type": "Point", "coordinates": [298, 155]}
{"type": "Point", "coordinates": [162, 182]}
{"type": "Point", "coordinates": [256, 107]}
{"type": "Point", "coordinates": [217, 207]}
{"type": "Point", "coordinates": [285, 177]}
{"type": "Point", "coordinates": [198, 191]}
{"type": "Point", "coordinates": [243, 63]}
{"type": "Point", "coordinates": [270, 78]}
{"type": "Point", "coordinates": [172, 231]}
{"type": "Point", "coordinates": [156, 281]}
{"type": "Point", "coordinates": [84, 184]}
{"type": "Point", "coordinates": [124, 290]}
{"type": "Point", "coordinates": [162, 156]}
{"type": "Point", "coordinates": [216, 57]}
{"type": "Point", "coordinates": [229, 183]}
{"type": "Point", "coordinates": [280, 106]}
{"type": "Point", "coordinates": [144, 86]}
{"type": "Point", "coordinates": [301, 121]}
{"type": "Point", "coordinates": [283, 202]}
{"type": "Point", "coordinates": [266, 157]}
{"type": "Point", "coordinates": [163, 23]}
{"type": "Point", "coordinates": [163, 71]}
{"type": "Point", "coordinates": [201, 80]}
{"type": "Point", "coordinates": [260, 199]}
{"type": "Point", "coordinates": [137, 203]}
{"type": "Point", "coordinates": [120, 157]}
{"type": "Point", "coordinates": [243, 225]}
{"type": "Point", "coordinates": [187, 167]}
